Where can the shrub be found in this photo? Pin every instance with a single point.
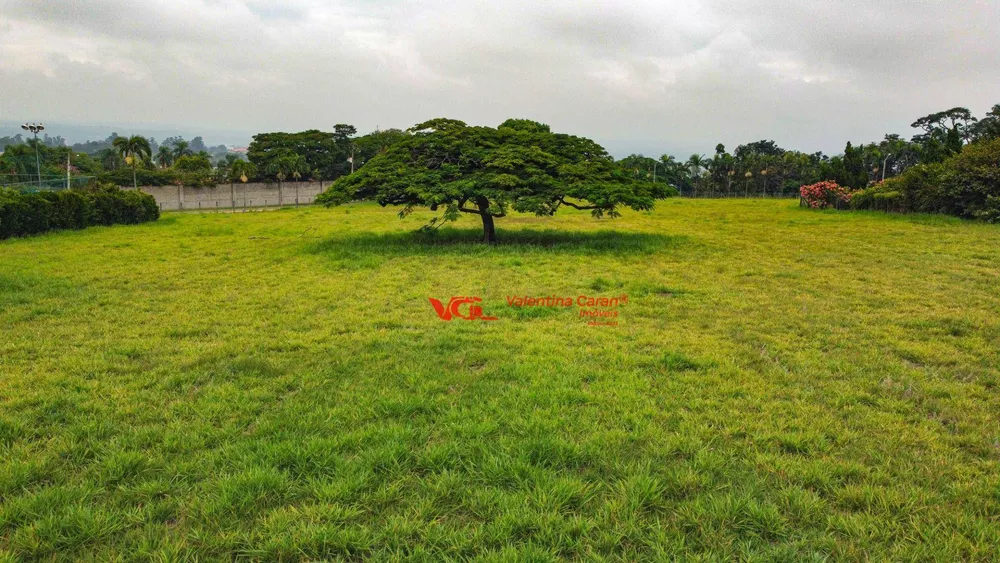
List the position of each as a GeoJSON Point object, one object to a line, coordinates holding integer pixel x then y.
{"type": "Point", "coordinates": [971, 178]}
{"type": "Point", "coordinates": [24, 214]}
{"type": "Point", "coordinates": [825, 194]}
{"type": "Point", "coordinates": [159, 177]}
{"type": "Point", "coordinates": [193, 163]}
{"type": "Point", "coordinates": [916, 190]}
{"type": "Point", "coordinates": [966, 185]}
{"type": "Point", "coordinates": [990, 212]}
{"type": "Point", "coordinates": [877, 197]}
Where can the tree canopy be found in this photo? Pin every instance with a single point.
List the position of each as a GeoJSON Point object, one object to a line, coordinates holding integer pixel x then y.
{"type": "Point", "coordinates": [325, 153]}
{"type": "Point", "coordinates": [520, 165]}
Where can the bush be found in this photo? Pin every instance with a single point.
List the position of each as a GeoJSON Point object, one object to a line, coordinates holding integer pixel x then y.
{"type": "Point", "coordinates": [916, 190]}
{"type": "Point", "coordinates": [966, 185]}
{"type": "Point", "coordinates": [991, 211]}
{"type": "Point", "coordinates": [825, 194]}
{"type": "Point", "coordinates": [971, 178]}
{"type": "Point", "coordinates": [159, 177]}
{"type": "Point", "coordinates": [24, 214]}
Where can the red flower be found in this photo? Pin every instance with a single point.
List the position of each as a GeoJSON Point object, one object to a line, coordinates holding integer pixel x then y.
{"type": "Point", "coordinates": [824, 194]}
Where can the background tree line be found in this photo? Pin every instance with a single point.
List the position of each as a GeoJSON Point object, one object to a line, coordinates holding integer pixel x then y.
{"type": "Point", "coordinates": [764, 168]}
{"type": "Point", "coordinates": [752, 169]}
{"type": "Point", "coordinates": [136, 160]}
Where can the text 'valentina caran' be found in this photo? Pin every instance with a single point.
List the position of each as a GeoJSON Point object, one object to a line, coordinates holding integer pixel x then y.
{"type": "Point", "coordinates": [555, 301]}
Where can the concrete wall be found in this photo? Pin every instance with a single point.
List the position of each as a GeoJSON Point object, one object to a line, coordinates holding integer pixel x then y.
{"type": "Point", "coordinates": [237, 195]}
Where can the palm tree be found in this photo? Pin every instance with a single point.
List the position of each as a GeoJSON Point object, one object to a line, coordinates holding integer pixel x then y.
{"type": "Point", "coordinates": [280, 168]}
{"type": "Point", "coordinates": [181, 149]}
{"type": "Point", "coordinates": [695, 163]}
{"type": "Point", "coordinates": [722, 168]}
{"type": "Point", "coordinates": [165, 157]}
{"type": "Point", "coordinates": [132, 150]}
{"type": "Point", "coordinates": [242, 170]}
{"type": "Point", "coordinates": [20, 161]}
{"type": "Point", "coordinates": [299, 167]}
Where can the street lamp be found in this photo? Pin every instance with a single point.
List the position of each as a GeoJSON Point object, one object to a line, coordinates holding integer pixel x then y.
{"type": "Point", "coordinates": [34, 131]}
{"type": "Point", "coordinates": [655, 162]}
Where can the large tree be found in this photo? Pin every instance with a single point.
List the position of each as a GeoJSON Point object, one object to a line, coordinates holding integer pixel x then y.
{"type": "Point", "coordinates": [989, 126]}
{"type": "Point", "coordinates": [521, 166]}
{"type": "Point", "coordinates": [325, 153]}
{"type": "Point", "coordinates": [378, 141]}
{"type": "Point", "coordinates": [164, 156]}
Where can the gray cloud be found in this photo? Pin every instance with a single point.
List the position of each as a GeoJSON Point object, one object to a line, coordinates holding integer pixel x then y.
{"type": "Point", "coordinates": [633, 74]}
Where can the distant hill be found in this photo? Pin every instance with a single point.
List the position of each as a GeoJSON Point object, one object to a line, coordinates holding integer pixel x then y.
{"type": "Point", "coordinates": [80, 133]}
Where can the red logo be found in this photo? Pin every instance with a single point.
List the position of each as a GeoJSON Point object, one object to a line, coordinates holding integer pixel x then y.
{"type": "Point", "coordinates": [451, 311]}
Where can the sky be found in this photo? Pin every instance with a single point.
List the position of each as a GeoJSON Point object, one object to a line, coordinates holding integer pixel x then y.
{"type": "Point", "coordinates": [635, 75]}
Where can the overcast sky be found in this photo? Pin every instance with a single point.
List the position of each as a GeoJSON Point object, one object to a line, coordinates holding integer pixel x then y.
{"type": "Point", "coordinates": [651, 76]}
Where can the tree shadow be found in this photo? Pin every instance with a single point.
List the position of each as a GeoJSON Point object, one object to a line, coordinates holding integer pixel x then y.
{"type": "Point", "coordinates": [468, 242]}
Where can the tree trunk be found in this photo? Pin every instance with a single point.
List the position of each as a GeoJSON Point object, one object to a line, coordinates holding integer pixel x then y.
{"type": "Point", "coordinates": [135, 183]}
{"type": "Point", "coordinates": [489, 230]}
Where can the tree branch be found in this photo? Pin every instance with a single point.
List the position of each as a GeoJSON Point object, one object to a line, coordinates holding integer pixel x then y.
{"type": "Point", "coordinates": [581, 207]}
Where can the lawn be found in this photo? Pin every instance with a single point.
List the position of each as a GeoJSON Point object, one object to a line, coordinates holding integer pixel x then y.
{"type": "Point", "coordinates": [781, 384]}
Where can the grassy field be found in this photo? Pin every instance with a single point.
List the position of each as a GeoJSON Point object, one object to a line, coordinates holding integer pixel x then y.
{"type": "Point", "coordinates": [782, 384]}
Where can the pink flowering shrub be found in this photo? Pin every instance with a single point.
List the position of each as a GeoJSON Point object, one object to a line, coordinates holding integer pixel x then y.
{"type": "Point", "coordinates": [825, 194]}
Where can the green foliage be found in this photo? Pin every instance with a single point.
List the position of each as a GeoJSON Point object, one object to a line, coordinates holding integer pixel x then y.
{"type": "Point", "coordinates": [916, 190]}
{"type": "Point", "coordinates": [193, 163]}
{"type": "Point", "coordinates": [242, 170]}
{"type": "Point", "coordinates": [24, 214]}
{"type": "Point", "coordinates": [990, 210]}
{"type": "Point", "coordinates": [759, 149]}
{"type": "Point", "coordinates": [159, 177]}
{"type": "Point", "coordinates": [962, 185]}
{"type": "Point", "coordinates": [853, 173]}
{"type": "Point", "coordinates": [376, 142]}
{"type": "Point", "coordinates": [971, 178]}
{"type": "Point", "coordinates": [526, 125]}
{"type": "Point", "coordinates": [520, 166]}
{"type": "Point", "coordinates": [989, 126]}
{"type": "Point", "coordinates": [323, 153]}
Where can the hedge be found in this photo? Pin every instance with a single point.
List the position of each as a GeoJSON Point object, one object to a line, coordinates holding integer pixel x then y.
{"type": "Point", "coordinates": [23, 214]}
{"type": "Point", "coordinates": [966, 185]}
{"type": "Point", "coordinates": [158, 177]}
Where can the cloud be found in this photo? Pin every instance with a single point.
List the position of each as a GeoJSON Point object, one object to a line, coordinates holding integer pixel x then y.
{"type": "Point", "coordinates": [642, 74]}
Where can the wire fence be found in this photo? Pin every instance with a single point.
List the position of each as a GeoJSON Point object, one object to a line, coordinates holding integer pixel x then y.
{"type": "Point", "coordinates": [740, 195]}
{"type": "Point", "coordinates": [50, 183]}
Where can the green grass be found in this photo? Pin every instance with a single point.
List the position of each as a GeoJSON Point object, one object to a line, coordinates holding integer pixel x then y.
{"type": "Point", "coordinates": [783, 384]}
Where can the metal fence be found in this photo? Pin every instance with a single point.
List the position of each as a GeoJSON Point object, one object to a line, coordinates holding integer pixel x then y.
{"type": "Point", "coordinates": [740, 195]}
{"type": "Point", "coordinates": [46, 183]}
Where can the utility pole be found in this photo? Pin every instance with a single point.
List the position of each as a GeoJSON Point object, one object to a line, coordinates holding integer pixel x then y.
{"type": "Point", "coordinates": [67, 168]}
{"type": "Point", "coordinates": [35, 128]}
